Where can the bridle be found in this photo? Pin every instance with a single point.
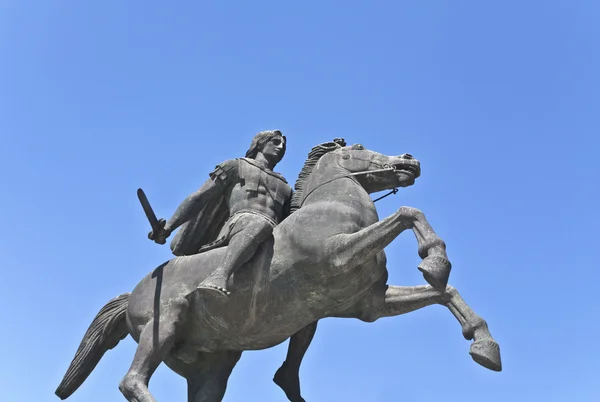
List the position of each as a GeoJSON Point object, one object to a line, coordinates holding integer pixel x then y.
{"type": "Point", "coordinates": [385, 168]}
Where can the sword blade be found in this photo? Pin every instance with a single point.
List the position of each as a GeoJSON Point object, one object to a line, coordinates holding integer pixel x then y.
{"type": "Point", "coordinates": [156, 228]}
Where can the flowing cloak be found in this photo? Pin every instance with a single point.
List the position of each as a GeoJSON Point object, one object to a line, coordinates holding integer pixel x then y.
{"type": "Point", "coordinates": [200, 233]}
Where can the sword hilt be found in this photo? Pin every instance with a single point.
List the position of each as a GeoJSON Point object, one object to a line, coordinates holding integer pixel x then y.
{"type": "Point", "coordinates": [158, 225]}
{"type": "Point", "coordinates": [158, 234]}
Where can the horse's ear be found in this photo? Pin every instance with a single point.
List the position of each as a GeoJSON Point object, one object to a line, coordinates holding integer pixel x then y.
{"type": "Point", "coordinates": [340, 141]}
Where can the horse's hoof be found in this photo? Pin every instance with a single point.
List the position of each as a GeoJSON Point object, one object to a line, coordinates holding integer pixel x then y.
{"type": "Point", "coordinates": [486, 352]}
{"type": "Point", "coordinates": [436, 271]}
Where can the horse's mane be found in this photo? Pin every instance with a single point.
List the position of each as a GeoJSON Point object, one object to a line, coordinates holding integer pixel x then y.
{"type": "Point", "coordinates": [313, 157]}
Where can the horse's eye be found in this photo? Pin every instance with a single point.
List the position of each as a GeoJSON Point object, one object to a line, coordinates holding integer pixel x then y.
{"type": "Point", "coordinates": [358, 147]}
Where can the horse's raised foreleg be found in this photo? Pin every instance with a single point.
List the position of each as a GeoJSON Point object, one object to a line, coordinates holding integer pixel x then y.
{"type": "Point", "coordinates": [351, 250]}
{"type": "Point", "coordinates": [288, 375]}
{"type": "Point", "coordinates": [348, 250]}
{"type": "Point", "coordinates": [404, 299]}
{"type": "Point", "coordinates": [156, 340]}
{"type": "Point", "coordinates": [432, 249]}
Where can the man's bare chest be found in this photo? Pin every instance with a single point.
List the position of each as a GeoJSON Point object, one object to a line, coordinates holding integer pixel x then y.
{"type": "Point", "coordinates": [255, 183]}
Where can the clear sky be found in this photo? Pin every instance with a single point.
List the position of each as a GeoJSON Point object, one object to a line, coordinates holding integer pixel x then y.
{"type": "Point", "coordinates": [498, 100]}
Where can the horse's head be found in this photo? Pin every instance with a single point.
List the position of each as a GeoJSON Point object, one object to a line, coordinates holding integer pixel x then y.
{"type": "Point", "coordinates": [331, 161]}
{"type": "Point", "coordinates": [375, 171]}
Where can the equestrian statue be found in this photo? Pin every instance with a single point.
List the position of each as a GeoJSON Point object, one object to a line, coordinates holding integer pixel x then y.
{"type": "Point", "coordinates": [256, 263]}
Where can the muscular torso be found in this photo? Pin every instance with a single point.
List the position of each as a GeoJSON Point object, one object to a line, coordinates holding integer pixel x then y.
{"type": "Point", "coordinates": [267, 194]}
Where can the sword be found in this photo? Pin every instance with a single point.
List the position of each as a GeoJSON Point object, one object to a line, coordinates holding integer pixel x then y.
{"type": "Point", "coordinates": [157, 233]}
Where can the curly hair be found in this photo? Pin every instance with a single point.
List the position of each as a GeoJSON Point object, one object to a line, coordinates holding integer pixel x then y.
{"type": "Point", "coordinates": [261, 139]}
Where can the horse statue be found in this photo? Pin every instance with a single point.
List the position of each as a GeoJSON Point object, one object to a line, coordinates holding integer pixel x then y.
{"type": "Point", "coordinates": [325, 260]}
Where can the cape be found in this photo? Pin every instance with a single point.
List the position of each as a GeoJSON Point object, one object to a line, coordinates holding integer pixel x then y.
{"type": "Point", "coordinates": [199, 234]}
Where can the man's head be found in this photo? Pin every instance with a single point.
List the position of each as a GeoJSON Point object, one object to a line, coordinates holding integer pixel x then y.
{"type": "Point", "coordinates": [271, 143]}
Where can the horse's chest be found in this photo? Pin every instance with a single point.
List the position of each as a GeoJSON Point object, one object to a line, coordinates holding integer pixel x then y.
{"type": "Point", "coordinates": [347, 289]}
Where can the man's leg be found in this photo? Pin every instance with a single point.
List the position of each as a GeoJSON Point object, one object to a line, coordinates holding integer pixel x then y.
{"type": "Point", "coordinates": [288, 375]}
{"type": "Point", "coordinates": [247, 236]}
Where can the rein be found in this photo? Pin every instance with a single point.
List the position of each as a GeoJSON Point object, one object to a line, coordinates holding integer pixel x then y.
{"type": "Point", "coordinates": [351, 175]}
{"type": "Point", "coordinates": [394, 191]}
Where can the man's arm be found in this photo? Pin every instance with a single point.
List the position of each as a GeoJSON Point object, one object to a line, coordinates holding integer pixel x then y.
{"type": "Point", "coordinates": [223, 175]}
{"type": "Point", "coordinates": [193, 204]}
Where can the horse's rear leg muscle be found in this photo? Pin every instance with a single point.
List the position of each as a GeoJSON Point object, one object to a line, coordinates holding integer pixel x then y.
{"type": "Point", "coordinates": [156, 340]}
{"type": "Point", "coordinates": [207, 378]}
{"type": "Point", "coordinates": [404, 299]}
{"type": "Point", "coordinates": [288, 375]}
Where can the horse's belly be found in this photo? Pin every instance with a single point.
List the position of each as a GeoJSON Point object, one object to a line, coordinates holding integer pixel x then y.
{"type": "Point", "coordinates": [247, 322]}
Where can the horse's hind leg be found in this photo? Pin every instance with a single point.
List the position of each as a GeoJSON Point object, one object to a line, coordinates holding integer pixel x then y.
{"type": "Point", "coordinates": [484, 349]}
{"type": "Point", "coordinates": [207, 377]}
{"type": "Point", "coordinates": [156, 340]}
{"type": "Point", "coordinates": [404, 299]}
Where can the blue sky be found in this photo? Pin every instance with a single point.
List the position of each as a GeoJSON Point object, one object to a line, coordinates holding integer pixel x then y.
{"type": "Point", "coordinates": [498, 100]}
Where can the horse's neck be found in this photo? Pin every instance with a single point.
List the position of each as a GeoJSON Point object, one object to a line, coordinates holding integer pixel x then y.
{"type": "Point", "coordinates": [335, 186]}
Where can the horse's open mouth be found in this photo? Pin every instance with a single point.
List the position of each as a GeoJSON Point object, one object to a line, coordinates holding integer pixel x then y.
{"type": "Point", "coordinates": [413, 170]}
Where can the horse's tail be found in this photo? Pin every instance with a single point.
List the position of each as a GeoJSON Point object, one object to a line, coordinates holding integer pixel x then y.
{"type": "Point", "coordinates": [105, 332]}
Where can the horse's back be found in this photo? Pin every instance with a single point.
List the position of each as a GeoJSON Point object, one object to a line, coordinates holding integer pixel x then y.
{"type": "Point", "coordinates": [171, 280]}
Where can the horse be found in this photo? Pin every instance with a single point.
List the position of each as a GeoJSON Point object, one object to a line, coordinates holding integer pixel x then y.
{"type": "Point", "coordinates": [326, 259]}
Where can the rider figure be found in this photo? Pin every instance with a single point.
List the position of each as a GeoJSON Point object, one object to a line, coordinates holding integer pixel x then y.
{"type": "Point", "coordinates": [257, 200]}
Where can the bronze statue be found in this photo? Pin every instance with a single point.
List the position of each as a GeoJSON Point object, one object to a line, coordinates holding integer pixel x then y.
{"type": "Point", "coordinates": [326, 259]}
{"type": "Point", "coordinates": [246, 191]}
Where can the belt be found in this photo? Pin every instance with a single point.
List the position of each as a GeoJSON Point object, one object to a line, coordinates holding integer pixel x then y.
{"type": "Point", "coordinates": [257, 213]}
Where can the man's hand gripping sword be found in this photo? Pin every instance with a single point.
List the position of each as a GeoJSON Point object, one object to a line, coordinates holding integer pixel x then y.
{"type": "Point", "coordinates": [158, 233]}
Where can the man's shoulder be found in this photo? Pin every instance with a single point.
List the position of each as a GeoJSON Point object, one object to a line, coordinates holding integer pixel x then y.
{"type": "Point", "coordinates": [230, 164]}
{"type": "Point", "coordinates": [252, 164]}
{"type": "Point", "coordinates": [226, 170]}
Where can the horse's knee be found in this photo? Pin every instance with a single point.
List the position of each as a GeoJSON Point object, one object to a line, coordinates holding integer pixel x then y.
{"type": "Point", "coordinates": [412, 213]}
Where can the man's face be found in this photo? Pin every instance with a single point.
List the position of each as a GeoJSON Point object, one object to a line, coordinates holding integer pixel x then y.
{"type": "Point", "coordinates": [274, 149]}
